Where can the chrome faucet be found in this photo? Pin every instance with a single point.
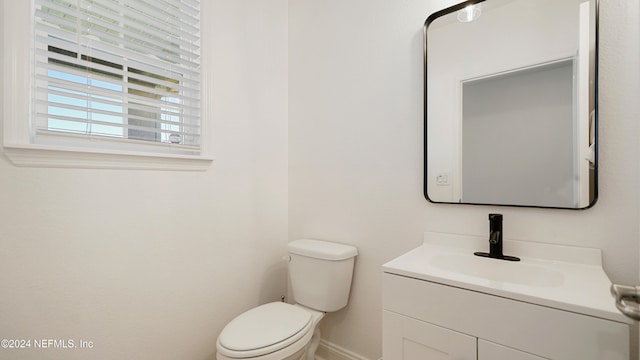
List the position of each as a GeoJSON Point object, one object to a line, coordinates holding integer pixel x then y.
{"type": "Point", "coordinates": [495, 240]}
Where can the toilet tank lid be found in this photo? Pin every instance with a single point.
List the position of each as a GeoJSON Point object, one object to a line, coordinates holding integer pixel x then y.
{"type": "Point", "coordinates": [320, 249]}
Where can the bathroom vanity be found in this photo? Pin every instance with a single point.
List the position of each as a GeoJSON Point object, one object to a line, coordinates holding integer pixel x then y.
{"type": "Point", "coordinates": [442, 302]}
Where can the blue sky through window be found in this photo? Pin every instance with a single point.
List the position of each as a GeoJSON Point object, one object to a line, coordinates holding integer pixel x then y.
{"type": "Point", "coordinates": [80, 105]}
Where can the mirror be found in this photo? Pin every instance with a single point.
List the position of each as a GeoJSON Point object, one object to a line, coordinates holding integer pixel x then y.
{"type": "Point", "coordinates": [511, 103]}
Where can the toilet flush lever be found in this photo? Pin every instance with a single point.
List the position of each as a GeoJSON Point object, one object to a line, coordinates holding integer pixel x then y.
{"type": "Point", "coordinates": [627, 299]}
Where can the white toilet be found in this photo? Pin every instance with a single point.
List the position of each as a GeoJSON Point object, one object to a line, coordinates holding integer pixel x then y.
{"type": "Point", "coordinates": [320, 273]}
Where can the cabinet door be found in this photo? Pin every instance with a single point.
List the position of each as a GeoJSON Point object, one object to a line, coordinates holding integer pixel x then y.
{"type": "Point", "coordinates": [405, 338]}
{"type": "Point", "coordinates": [491, 351]}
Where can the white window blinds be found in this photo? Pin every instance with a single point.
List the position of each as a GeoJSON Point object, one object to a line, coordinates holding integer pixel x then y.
{"type": "Point", "coordinates": [120, 70]}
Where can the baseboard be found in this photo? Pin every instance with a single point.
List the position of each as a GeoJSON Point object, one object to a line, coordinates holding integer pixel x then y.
{"type": "Point", "coordinates": [330, 351]}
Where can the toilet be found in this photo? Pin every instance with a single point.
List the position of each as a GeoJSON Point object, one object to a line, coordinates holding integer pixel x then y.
{"type": "Point", "coordinates": [320, 274]}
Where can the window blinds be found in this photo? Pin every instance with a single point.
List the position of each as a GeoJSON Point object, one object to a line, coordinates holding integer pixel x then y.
{"type": "Point", "coordinates": [126, 70]}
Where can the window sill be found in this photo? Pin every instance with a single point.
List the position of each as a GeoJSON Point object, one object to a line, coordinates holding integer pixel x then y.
{"type": "Point", "coordinates": [61, 157]}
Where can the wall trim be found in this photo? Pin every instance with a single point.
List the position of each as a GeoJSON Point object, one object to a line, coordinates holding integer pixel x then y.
{"type": "Point", "coordinates": [58, 157]}
{"type": "Point", "coordinates": [330, 351]}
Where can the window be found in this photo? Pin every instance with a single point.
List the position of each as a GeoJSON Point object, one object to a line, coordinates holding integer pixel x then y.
{"type": "Point", "coordinates": [118, 69]}
{"type": "Point", "coordinates": [110, 76]}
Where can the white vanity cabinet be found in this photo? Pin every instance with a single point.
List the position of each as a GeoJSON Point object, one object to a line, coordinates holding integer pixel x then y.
{"type": "Point", "coordinates": [490, 351]}
{"type": "Point", "coordinates": [432, 311]}
{"type": "Point", "coordinates": [423, 320]}
{"type": "Point", "coordinates": [406, 338]}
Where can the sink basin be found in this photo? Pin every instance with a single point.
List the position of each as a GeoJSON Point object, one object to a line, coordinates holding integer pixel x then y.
{"type": "Point", "coordinates": [557, 276]}
{"type": "Point", "coordinates": [495, 270]}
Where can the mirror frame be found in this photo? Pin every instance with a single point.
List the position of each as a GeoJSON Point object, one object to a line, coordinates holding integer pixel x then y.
{"type": "Point", "coordinates": [459, 6]}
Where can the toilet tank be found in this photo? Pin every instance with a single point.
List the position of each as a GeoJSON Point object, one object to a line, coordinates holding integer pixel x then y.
{"type": "Point", "coordinates": [321, 273]}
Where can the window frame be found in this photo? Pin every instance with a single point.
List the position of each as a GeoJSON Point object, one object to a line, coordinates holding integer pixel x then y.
{"type": "Point", "coordinates": [23, 148]}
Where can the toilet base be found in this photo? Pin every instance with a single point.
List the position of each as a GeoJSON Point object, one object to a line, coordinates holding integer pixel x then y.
{"type": "Point", "coordinates": [313, 344]}
{"type": "Point", "coordinates": [300, 355]}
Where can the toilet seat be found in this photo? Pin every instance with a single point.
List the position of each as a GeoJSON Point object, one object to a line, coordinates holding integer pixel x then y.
{"type": "Point", "coordinates": [265, 329]}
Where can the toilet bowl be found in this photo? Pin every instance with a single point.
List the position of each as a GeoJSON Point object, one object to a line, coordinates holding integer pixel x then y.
{"type": "Point", "coordinates": [320, 274]}
{"type": "Point", "coordinates": [273, 331]}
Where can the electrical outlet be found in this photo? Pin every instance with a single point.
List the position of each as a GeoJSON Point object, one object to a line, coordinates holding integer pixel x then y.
{"type": "Point", "coordinates": [442, 179]}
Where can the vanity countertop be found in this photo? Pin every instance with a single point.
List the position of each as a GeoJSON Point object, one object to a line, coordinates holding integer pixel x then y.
{"type": "Point", "coordinates": [557, 276]}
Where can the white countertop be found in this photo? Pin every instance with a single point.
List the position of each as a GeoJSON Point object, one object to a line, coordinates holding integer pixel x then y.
{"type": "Point", "coordinates": [562, 277]}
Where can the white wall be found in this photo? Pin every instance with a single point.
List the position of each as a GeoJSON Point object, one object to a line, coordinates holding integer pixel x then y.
{"type": "Point", "coordinates": [155, 265]}
{"type": "Point", "coordinates": [355, 149]}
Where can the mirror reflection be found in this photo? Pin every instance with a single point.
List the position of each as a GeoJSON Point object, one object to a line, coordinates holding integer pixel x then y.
{"type": "Point", "coordinates": [510, 103]}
